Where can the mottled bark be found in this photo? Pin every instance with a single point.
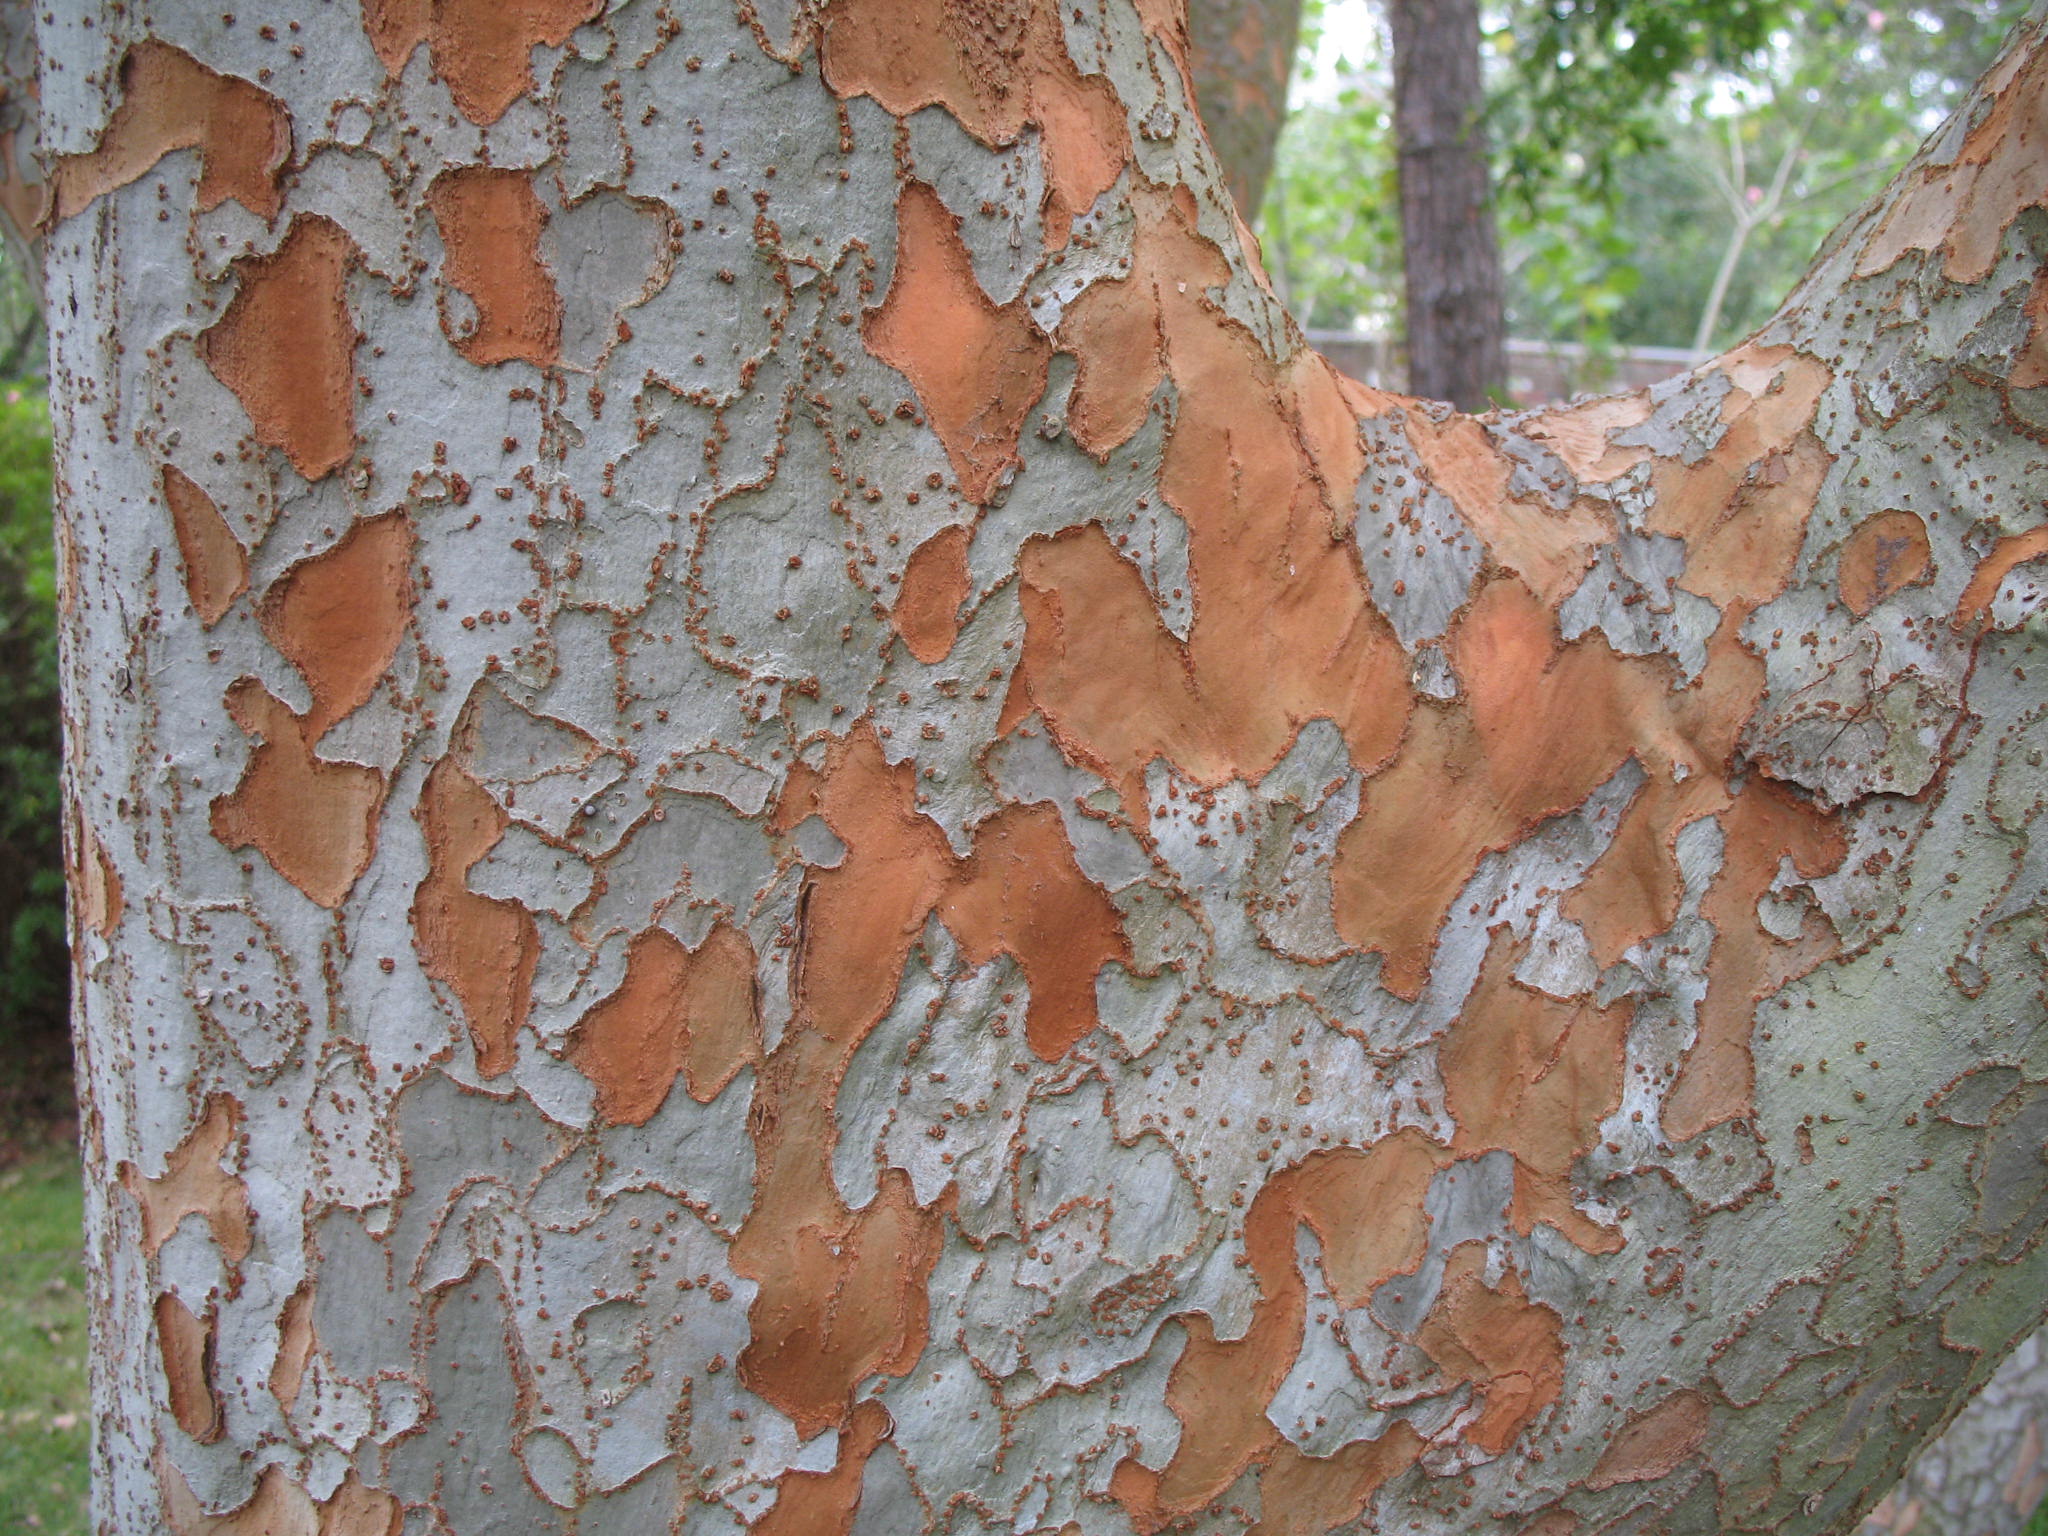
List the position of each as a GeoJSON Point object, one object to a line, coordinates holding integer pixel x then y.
{"type": "Point", "coordinates": [1988, 1472]}
{"type": "Point", "coordinates": [1243, 57]}
{"type": "Point", "coordinates": [778, 820]}
{"type": "Point", "coordinates": [1454, 309]}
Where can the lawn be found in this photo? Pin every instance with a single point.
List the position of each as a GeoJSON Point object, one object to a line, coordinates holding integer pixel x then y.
{"type": "Point", "coordinates": [44, 1417]}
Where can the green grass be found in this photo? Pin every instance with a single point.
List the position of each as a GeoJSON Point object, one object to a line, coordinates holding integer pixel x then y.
{"type": "Point", "coordinates": [45, 1421]}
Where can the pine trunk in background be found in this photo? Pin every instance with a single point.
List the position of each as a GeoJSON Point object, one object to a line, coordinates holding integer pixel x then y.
{"type": "Point", "coordinates": [1454, 307]}
{"type": "Point", "coordinates": [779, 822]}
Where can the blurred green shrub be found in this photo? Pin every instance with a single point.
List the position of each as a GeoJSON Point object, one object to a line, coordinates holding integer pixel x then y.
{"type": "Point", "coordinates": [33, 974]}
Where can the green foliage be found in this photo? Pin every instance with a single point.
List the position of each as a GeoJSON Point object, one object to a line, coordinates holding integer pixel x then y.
{"type": "Point", "coordinates": [45, 1418]}
{"type": "Point", "coordinates": [1584, 79]}
{"type": "Point", "coordinates": [32, 956]}
{"type": "Point", "coordinates": [1640, 146]}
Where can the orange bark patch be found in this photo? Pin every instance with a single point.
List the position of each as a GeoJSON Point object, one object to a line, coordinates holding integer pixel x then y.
{"type": "Point", "coordinates": [1582, 435]}
{"type": "Point", "coordinates": [1284, 632]}
{"type": "Point", "coordinates": [186, 1344]}
{"type": "Point", "coordinates": [170, 101]}
{"type": "Point", "coordinates": [294, 1345]}
{"type": "Point", "coordinates": [852, 1304]}
{"type": "Point", "coordinates": [216, 566]}
{"type": "Point", "coordinates": [338, 615]}
{"type": "Point", "coordinates": [280, 1507]}
{"type": "Point", "coordinates": [977, 367]}
{"type": "Point", "coordinates": [1764, 825]}
{"type": "Point", "coordinates": [824, 1503]}
{"type": "Point", "coordinates": [1550, 550]}
{"type": "Point", "coordinates": [315, 821]}
{"type": "Point", "coordinates": [996, 68]}
{"type": "Point", "coordinates": [1022, 894]}
{"type": "Point", "coordinates": [1365, 1206]}
{"type": "Point", "coordinates": [1310, 1495]}
{"type": "Point", "coordinates": [678, 1011]}
{"type": "Point", "coordinates": [193, 1183]}
{"type": "Point", "coordinates": [1540, 725]}
{"type": "Point", "coordinates": [1112, 330]}
{"type": "Point", "coordinates": [935, 584]}
{"type": "Point", "coordinates": [1654, 1443]}
{"type": "Point", "coordinates": [1529, 1074]}
{"type": "Point", "coordinates": [95, 883]}
{"type": "Point", "coordinates": [286, 346]}
{"type": "Point", "coordinates": [1885, 554]}
{"type": "Point", "coordinates": [1510, 1348]}
{"type": "Point", "coordinates": [1966, 206]}
{"type": "Point", "coordinates": [1742, 509]}
{"type": "Point", "coordinates": [483, 49]}
{"type": "Point", "coordinates": [1992, 570]}
{"type": "Point", "coordinates": [842, 1293]}
{"type": "Point", "coordinates": [491, 223]}
{"type": "Point", "coordinates": [482, 948]}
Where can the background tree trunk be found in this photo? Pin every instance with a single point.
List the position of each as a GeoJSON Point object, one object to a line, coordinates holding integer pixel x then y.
{"type": "Point", "coordinates": [1243, 57]}
{"type": "Point", "coordinates": [778, 820]}
{"type": "Point", "coordinates": [1455, 308]}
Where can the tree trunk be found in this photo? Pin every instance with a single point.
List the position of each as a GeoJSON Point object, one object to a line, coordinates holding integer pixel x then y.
{"type": "Point", "coordinates": [1243, 57]}
{"type": "Point", "coordinates": [778, 820]}
{"type": "Point", "coordinates": [1450, 256]}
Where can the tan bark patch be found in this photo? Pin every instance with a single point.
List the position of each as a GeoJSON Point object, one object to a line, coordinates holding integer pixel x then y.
{"type": "Point", "coordinates": [1527, 1073]}
{"type": "Point", "coordinates": [1886, 554]}
{"type": "Point", "coordinates": [2030, 369]}
{"type": "Point", "coordinates": [338, 615]}
{"type": "Point", "coordinates": [95, 883]}
{"type": "Point", "coordinates": [851, 1303]}
{"type": "Point", "coordinates": [194, 1183]}
{"type": "Point", "coordinates": [824, 1503]}
{"type": "Point", "coordinates": [1966, 206]}
{"type": "Point", "coordinates": [482, 948]}
{"type": "Point", "coordinates": [1539, 726]}
{"type": "Point", "coordinates": [216, 566]}
{"type": "Point", "coordinates": [482, 48]}
{"type": "Point", "coordinates": [1310, 1495]}
{"type": "Point", "coordinates": [186, 1344]}
{"type": "Point", "coordinates": [1764, 825]}
{"type": "Point", "coordinates": [170, 101]}
{"type": "Point", "coordinates": [491, 224]}
{"type": "Point", "coordinates": [1510, 1348]}
{"type": "Point", "coordinates": [280, 1507]}
{"type": "Point", "coordinates": [286, 346]}
{"type": "Point", "coordinates": [996, 67]}
{"type": "Point", "coordinates": [1112, 330]}
{"type": "Point", "coordinates": [294, 1346]}
{"type": "Point", "coordinates": [1365, 1206]}
{"type": "Point", "coordinates": [977, 367]}
{"type": "Point", "coordinates": [935, 584]}
{"type": "Point", "coordinates": [315, 821]}
{"type": "Point", "coordinates": [1022, 894]}
{"type": "Point", "coordinates": [2007, 554]}
{"type": "Point", "coordinates": [1582, 435]}
{"type": "Point", "coordinates": [678, 1012]}
{"type": "Point", "coordinates": [1654, 1443]}
{"type": "Point", "coordinates": [1550, 550]}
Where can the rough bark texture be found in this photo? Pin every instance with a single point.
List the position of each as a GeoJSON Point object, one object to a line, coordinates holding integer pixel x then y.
{"type": "Point", "coordinates": [1243, 57]}
{"type": "Point", "coordinates": [1988, 1472]}
{"type": "Point", "coordinates": [778, 820]}
{"type": "Point", "coordinates": [1454, 309]}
